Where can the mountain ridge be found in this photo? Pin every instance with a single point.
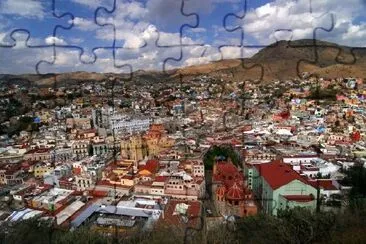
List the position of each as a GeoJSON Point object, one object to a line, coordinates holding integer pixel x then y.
{"type": "Point", "coordinates": [278, 61]}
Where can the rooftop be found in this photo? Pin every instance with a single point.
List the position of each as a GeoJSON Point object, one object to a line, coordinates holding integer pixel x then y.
{"type": "Point", "coordinates": [278, 174]}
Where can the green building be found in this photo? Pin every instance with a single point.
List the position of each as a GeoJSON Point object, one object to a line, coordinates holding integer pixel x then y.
{"type": "Point", "coordinates": [277, 186]}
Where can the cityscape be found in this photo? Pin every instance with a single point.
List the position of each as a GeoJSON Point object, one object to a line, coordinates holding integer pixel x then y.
{"type": "Point", "coordinates": [260, 149]}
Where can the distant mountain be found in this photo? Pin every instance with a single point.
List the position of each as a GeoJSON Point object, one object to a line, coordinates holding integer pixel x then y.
{"type": "Point", "coordinates": [279, 61]}
{"type": "Point", "coordinates": [288, 60]}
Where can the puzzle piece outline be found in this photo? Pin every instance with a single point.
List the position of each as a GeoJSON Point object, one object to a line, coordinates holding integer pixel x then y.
{"type": "Point", "coordinates": [181, 35]}
{"type": "Point", "coordinates": [94, 57]}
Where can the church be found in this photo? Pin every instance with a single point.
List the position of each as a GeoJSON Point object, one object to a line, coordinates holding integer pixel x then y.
{"type": "Point", "coordinates": [230, 195]}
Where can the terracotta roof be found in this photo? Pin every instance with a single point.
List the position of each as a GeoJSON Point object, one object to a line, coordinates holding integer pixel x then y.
{"type": "Point", "coordinates": [326, 185]}
{"type": "Point", "coordinates": [227, 174]}
{"type": "Point", "coordinates": [278, 174]}
{"type": "Point", "coordinates": [193, 213]}
{"type": "Point", "coordinates": [299, 198]}
{"type": "Point", "coordinates": [236, 142]}
{"type": "Point", "coordinates": [226, 168]}
{"type": "Point", "coordinates": [96, 193]}
{"type": "Point", "coordinates": [144, 183]}
{"type": "Point", "coordinates": [160, 178]}
{"type": "Point", "coordinates": [151, 165]}
{"type": "Point", "coordinates": [38, 150]}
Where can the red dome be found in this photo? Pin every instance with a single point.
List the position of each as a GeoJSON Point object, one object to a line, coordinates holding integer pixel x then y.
{"type": "Point", "coordinates": [226, 168]}
{"type": "Point", "coordinates": [235, 193]}
{"type": "Point", "coordinates": [220, 191]}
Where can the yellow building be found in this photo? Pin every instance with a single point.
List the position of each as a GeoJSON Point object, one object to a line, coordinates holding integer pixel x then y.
{"type": "Point", "coordinates": [119, 177]}
{"type": "Point", "coordinates": [133, 148]}
{"type": "Point", "coordinates": [42, 169]}
{"type": "Point", "coordinates": [157, 140]}
{"type": "Point", "coordinates": [152, 143]}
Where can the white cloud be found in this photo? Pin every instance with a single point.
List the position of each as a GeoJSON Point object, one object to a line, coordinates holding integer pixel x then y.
{"type": "Point", "coordinates": [198, 30]}
{"type": "Point", "coordinates": [54, 40]}
{"type": "Point", "coordinates": [84, 24]}
{"type": "Point", "coordinates": [2, 39]}
{"type": "Point", "coordinates": [160, 20]}
{"type": "Point", "coordinates": [262, 22]}
{"type": "Point", "coordinates": [76, 40]}
{"type": "Point", "coordinates": [20, 61]}
{"type": "Point", "coordinates": [25, 8]}
{"type": "Point", "coordinates": [91, 3]}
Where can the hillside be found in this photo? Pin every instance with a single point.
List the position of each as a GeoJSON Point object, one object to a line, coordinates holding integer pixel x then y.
{"type": "Point", "coordinates": [287, 60]}
{"type": "Point", "coordinates": [281, 60]}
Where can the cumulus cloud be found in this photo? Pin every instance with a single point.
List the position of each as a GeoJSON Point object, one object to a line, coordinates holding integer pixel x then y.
{"type": "Point", "coordinates": [50, 40]}
{"type": "Point", "coordinates": [25, 8]}
{"type": "Point", "coordinates": [302, 19]}
{"type": "Point", "coordinates": [148, 33]}
{"type": "Point", "coordinates": [84, 24]}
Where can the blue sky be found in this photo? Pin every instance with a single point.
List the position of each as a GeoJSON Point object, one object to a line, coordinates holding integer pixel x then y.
{"type": "Point", "coordinates": [148, 31]}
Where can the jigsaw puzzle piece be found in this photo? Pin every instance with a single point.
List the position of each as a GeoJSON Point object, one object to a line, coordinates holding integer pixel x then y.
{"type": "Point", "coordinates": [275, 22]}
{"type": "Point", "coordinates": [201, 35]}
{"type": "Point", "coordinates": [149, 56]}
{"type": "Point", "coordinates": [186, 20]}
{"type": "Point", "coordinates": [15, 57]}
{"type": "Point", "coordinates": [137, 42]}
{"type": "Point", "coordinates": [86, 31]}
{"type": "Point", "coordinates": [237, 23]}
{"type": "Point", "coordinates": [206, 41]}
{"type": "Point", "coordinates": [190, 22]}
{"type": "Point", "coordinates": [345, 56]}
{"type": "Point", "coordinates": [41, 10]}
{"type": "Point", "coordinates": [316, 25]}
{"type": "Point", "coordinates": [320, 48]}
{"type": "Point", "coordinates": [68, 55]}
{"type": "Point", "coordinates": [262, 24]}
{"type": "Point", "coordinates": [249, 21]}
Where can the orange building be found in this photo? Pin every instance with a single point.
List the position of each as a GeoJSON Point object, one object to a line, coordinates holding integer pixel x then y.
{"type": "Point", "coordinates": [150, 168]}
{"type": "Point", "coordinates": [138, 147]}
{"type": "Point", "coordinates": [157, 140]}
{"type": "Point", "coordinates": [231, 196]}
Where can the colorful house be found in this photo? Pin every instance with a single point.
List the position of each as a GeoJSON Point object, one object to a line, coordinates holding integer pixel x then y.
{"type": "Point", "coordinates": [150, 168]}
{"type": "Point", "coordinates": [278, 186]}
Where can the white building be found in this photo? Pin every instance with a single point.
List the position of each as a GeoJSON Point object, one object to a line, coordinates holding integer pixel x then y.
{"type": "Point", "coordinates": [130, 126]}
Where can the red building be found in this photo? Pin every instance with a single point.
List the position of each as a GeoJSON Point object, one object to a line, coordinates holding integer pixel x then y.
{"type": "Point", "coordinates": [231, 196]}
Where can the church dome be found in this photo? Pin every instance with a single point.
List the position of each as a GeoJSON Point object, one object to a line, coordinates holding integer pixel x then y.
{"type": "Point", "coordinates": [235, 192]}
{"type": "Point", "coordinates": [220, 191]}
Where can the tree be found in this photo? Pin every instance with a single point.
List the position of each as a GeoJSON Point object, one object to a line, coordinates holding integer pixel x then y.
{"type": "Point", "coordinates": [225, 151]}
{"type": "Point", "coordinates": [318, 93]}
{"type": "Point", "coordinates": [90, 150]}
{"type": "Point", "coordinates": [356, 178]}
